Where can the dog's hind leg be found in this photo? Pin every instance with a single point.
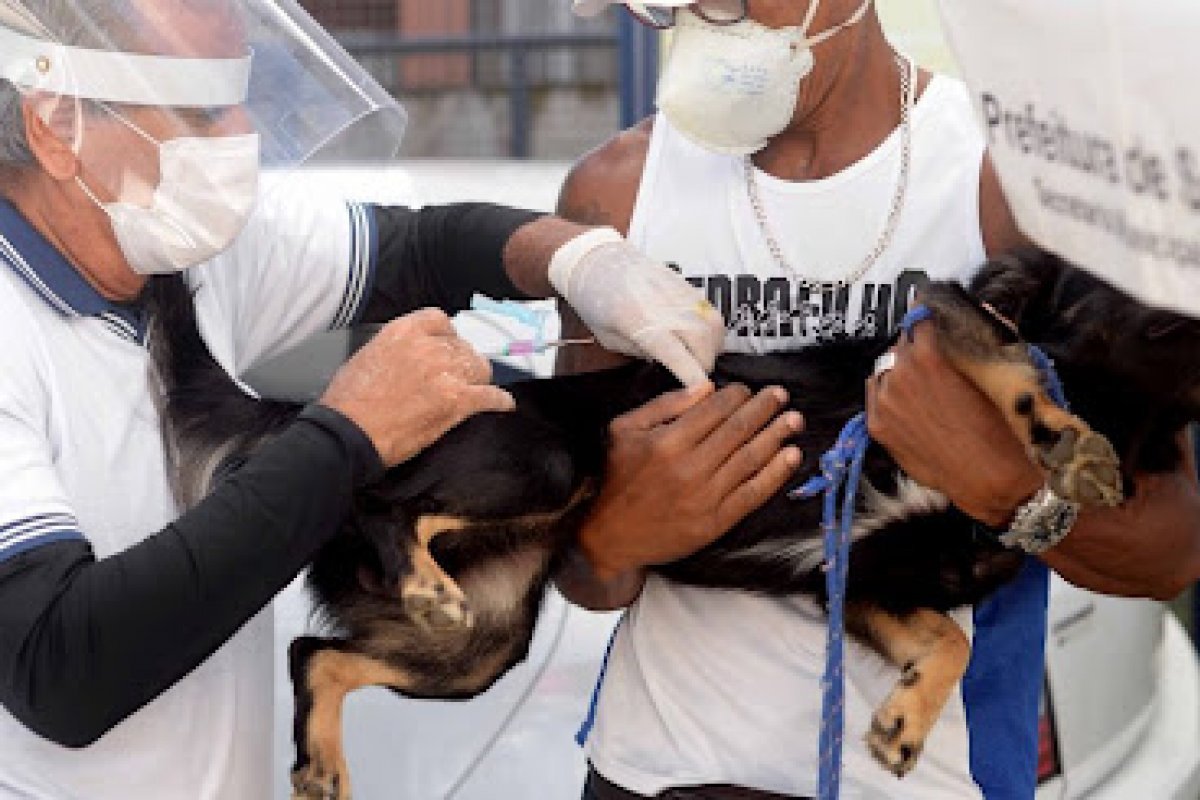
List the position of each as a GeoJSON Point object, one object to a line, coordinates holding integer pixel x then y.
{"type": "Point", "coordinates": [431, 597]}
{"type": "Point", "coordinates": [323, 672]}
{"type": "Point", "coordinates": [932, 653]}
{"type": "Point", "coordinates": [1081, 464]}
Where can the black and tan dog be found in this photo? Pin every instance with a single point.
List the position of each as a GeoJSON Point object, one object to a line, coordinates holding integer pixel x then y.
{"type": "Point", "coordinates": [435, 583]}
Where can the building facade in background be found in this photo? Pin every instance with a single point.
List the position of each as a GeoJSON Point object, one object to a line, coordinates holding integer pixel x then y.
{"type": "Point", "coordinates": [487, 78]}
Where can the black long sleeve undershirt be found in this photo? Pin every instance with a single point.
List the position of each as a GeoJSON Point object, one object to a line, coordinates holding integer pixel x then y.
{"type": "Point", "coordinates": [84, 643]}
{"type": "Point", "coordinates": [439, 256]}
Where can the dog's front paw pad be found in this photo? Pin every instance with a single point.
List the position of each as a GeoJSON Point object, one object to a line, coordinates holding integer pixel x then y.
{"type": "Point", "coordinates": [896, 752]}
{"type": "Point", "coordinates": [434, 604]}
{"type": "Point", "coordinates": [312, 783]}
{"type": "Point", "coordinates": [898, 729]}
{"type": "Point", "coordinates": [1084, 468]}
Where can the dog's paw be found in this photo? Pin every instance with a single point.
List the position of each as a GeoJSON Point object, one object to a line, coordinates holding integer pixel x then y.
{"type": "Point", "coordinates": [899, 727]}
{"type": "Point", "coordinates": [436, 604]}
{"type": "Point", "coordinates": [1081, 464]}
{"type": "Point", "coordinates": [1083, 467]}
{"type": "Point", "coordinates": [313, 783]}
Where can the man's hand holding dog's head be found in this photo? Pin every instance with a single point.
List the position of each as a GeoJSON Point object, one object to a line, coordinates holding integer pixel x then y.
{"type": "Point", "coordinates": [412, 383]}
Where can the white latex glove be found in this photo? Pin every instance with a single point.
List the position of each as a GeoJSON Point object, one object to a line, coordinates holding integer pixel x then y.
{"type": "Point", "coordinates": [638, 306]}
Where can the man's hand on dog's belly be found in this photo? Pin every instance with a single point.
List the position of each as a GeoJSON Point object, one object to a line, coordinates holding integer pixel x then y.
{"type": "Point", "coordinates": [412, 383]}
{"type": "Point", "coordinates": [945, 434]}
{"type": "Point", "coordinates": [685, 469]}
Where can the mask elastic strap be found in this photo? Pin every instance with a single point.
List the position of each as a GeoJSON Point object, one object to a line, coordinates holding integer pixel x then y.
{"type": "Point", "coordinates": [129, 124]}
{"type": "Point", "coordinates": [91, 196]}
{"type": "Point", "coordinates": [854, 20]}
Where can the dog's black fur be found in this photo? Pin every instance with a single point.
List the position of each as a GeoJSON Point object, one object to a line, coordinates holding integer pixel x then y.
{"type": "Point", "coordinates": [516, 485]}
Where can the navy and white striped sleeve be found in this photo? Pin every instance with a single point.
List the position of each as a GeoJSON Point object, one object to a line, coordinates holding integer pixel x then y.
{"type": "Point", "coordinates": [364, 256]}
{"type": "Point", "coordinates": [22, 535]}
{"type": "Point", "coordinates": [33, 504]}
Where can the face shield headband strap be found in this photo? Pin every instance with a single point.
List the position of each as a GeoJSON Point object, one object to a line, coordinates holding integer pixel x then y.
{"type": "Point", "coordinates": [36, 65]}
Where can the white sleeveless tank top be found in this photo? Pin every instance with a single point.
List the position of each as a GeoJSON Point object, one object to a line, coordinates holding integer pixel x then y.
{"type": "Point", "coordinates": [710, 686]}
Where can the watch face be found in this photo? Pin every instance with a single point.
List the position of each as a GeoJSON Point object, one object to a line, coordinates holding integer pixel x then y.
{"type": "Point", "coordinates": [1042, 522]}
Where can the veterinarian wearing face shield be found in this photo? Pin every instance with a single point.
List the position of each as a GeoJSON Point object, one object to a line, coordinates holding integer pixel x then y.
{"type": "Point", "coordinates": [134, 661]}
{"type": "Point", "coordinates": [811, 178]}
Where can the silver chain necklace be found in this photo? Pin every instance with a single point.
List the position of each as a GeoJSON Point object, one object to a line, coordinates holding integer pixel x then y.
{"type": "Point", "coordinates": [908, 84]}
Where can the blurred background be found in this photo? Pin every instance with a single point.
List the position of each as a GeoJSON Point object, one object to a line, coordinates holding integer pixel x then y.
{"type": "Point", "coordinates": [526, 78]}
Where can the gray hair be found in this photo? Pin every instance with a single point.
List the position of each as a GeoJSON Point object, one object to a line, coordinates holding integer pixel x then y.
{"type": "Point", "coordinates": [96, 24]}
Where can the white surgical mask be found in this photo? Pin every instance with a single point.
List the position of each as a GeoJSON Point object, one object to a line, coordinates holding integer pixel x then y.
{"type": "Point", "coordinates": [730, 88]}
{"type": "Point", "coordinates": [206, 193]}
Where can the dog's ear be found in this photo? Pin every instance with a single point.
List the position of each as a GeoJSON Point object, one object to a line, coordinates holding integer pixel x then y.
{"type": "Point", "coordinates": [1013, 282]}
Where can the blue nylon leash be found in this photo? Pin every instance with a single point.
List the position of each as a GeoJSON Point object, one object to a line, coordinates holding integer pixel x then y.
{"type": "Point", "coordinates": [1049, 376]}
{"type": "Point", "coordinates": [841, 468]}
{"type": "Point", "coordinates": [589, 721]}
{"type": "Point", "coordinates": [841, 474]}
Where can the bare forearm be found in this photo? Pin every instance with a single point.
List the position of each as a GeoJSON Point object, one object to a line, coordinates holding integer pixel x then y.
{"type": "Point", "coordinates": [528, 253]}
{"type": "Point", "coordinates": [1149, 547]}
{"type": "Point", "coordinates": [582, 585]}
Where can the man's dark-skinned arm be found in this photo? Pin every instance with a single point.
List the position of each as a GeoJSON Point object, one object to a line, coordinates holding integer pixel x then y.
{"type": "Point", "coordinates": [682, 470]}
{"type": "Point", "coordinates": [1147, 547]}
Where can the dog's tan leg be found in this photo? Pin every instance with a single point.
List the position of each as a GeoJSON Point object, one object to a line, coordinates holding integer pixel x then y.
{"type": "Point", "coordinates": [431, 597]}
{"type": "Point", "coordinates": [1081, 464]}
{"type": "Point", "coordinates": [323, 679]}
{"type": "Point", "coordinates": [932, 652]}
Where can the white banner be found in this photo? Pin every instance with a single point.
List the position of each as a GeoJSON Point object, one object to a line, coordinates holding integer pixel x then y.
{"type": "Point", "coordinates": [1092, 114]}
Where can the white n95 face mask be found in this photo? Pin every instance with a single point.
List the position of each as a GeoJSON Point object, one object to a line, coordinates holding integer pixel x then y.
{"type": "Point", "coordinates": [730, 88]}
{"type": "Point", "coordinates": [206, 192]}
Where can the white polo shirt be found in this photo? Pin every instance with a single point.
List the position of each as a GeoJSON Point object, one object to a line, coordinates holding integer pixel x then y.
{"type": "Point", "coordinates": [81, 457]}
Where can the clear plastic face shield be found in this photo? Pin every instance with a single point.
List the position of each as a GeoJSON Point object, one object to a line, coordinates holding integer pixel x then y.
{"type": "Point", "coordinates": [172, 108]}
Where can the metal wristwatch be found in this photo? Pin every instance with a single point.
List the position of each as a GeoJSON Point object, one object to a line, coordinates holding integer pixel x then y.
{"type": "Point", "coordinates": [1041, 522]}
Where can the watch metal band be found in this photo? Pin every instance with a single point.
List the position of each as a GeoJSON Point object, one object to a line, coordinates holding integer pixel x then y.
{"type": "Point", "coordinates": [1041, 523]}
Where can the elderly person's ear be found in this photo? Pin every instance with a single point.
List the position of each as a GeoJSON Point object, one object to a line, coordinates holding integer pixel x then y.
{"type": "Point", "coordinates": [50, 125]}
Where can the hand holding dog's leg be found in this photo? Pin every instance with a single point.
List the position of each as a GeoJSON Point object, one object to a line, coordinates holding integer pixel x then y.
{"type": "Point", "coordinates": [947, 435]}
{"type": "Point", "coordinates": [681, 473]}
{"type": "Point", "coordinates": [412, 383]}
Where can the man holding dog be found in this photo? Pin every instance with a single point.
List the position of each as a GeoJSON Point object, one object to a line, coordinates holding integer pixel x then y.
{"type": "Point", "coordinates": [809, 178]}
{"type": "Point", "coordinates": [134, 661]}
